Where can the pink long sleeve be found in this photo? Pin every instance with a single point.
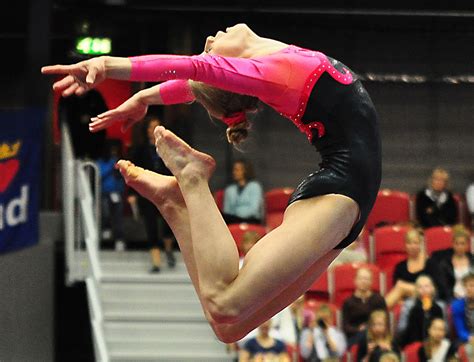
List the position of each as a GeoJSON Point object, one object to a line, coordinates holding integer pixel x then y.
{"type": "Point", "coordinates": [283, 80]}
{"type": "Point", "coordinates": [176, 92]}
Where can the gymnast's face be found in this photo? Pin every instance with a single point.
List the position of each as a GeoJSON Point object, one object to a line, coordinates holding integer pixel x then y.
{"type": "Point", "coordinates": [230, 43]}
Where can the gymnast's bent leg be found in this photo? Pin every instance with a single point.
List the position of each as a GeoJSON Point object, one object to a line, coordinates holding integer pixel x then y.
{"type": "Point", "coordinates": [164, 192]}
{"type": "Point", "coordinates": [310, 230]}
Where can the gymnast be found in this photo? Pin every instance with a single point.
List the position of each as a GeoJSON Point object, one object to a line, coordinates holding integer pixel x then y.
{"type": "Point", "coordinates": [328, 209]}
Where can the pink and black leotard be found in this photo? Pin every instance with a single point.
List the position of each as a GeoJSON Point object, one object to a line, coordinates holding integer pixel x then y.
{"type": "Point", "coordinates": [320, 95]}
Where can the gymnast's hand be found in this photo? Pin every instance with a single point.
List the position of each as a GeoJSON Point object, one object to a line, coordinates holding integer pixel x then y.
{"type": "Point", "coordinates": [132, 110]}
{"type": "Point", "coordinates": [79, 77]}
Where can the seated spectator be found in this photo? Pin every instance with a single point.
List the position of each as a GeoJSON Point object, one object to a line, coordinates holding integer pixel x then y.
{"type": "Point", "coordinates": [463, 316]}
{"type": "Point", "coordinates": [470, 200]}
{"type": "Point", "coordinates": [112, 189]}
{"type": "Point", "coordinates": [263, 347]}
{"type": "Point", "coordinates": [290, 322]}
{"type": "Point", "coordinates": [436, 347]}
{"type": "Point", "coordinates": [357, 308]}
{"type": "Point", "coordinates": [249, 239]}
{"type": "Point", "coordinates": [435, 205]}
{"type": "Point", "coordinates": [406, 271]}
{"type": "Point", "coordinates": [417, 313]}
{"type": "Point", "coordinates": [389, 357]}
{"type": "Point", "coordinates": [376, 340]}
{"type": "Point", "coordinates": [354, 253]}
{"type": "Point", "coordinates": [243, 199]}
{"type": "Point", "coordinates": [322, 341]}
{"type": "Point", "coordinates": [454, 263]}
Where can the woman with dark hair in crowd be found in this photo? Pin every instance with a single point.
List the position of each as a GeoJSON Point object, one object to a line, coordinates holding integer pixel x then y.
{"type": "Point", "coordinates": [243, 199]}
{"type": "Point", "coordinates": [436, 347]}
{"type": "Point", "coordinates": [327, 211]}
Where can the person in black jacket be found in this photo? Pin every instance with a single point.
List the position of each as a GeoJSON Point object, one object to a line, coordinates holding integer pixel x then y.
{"type": "Point", "coordinates": [435, 205]}
{"type": "Point", "coordinates": [456, 262]}
{"type": "Point", "coordinates": [436, 347]}
{"type": "Point", "coordinates": [145, 155]}
{"type": "Point", "coordinates": [417, 313]}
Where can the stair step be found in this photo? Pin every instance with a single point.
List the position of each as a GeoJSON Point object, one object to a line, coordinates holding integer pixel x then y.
{"type": "Point", "coordinates": [150, 306]}
{"type": "Point", "coordinates": [181, 356]}
{"type": "Point", "coordinates": [129, 291]}
{"type": "Point", "coordinates": [168, 346]}
{"type": "Point", "coordinates": [155, 316]}
{"type": "Point", "coordinates": [159, 330]}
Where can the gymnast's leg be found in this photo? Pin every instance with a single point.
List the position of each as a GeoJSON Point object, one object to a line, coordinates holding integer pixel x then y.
{"type": "Point", "coordinates": [310, 230]}
{"type": "Point", "coordinates": [164, 192]}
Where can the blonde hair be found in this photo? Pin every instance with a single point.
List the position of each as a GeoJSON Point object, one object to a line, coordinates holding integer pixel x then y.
{"type": "Point", "coordinates": [376, 314]}
{"type": "Point", "coordinates": [441, 171]}
{"type": "Point", "coordinates": [411, 233]}
{"type": "Point", "coordinates": [389, 357]}
{"type": "Point", "coordinates": [221, 103]}
{"type": "Point", "coordinates": [460, 230]}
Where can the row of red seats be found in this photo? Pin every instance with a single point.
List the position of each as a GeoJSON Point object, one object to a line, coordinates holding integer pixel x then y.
{"type": "Point", "coordinates": [391, 207]}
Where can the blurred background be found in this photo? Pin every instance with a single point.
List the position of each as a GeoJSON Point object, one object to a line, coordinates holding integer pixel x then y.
{"type": "Point", "coordinates": [416, 62]}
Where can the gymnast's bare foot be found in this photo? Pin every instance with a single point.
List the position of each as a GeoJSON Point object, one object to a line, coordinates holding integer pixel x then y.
{"type": "Point", "coordinates": [159, 189]}
{"type": "Point", "coordinates": [183, 161]}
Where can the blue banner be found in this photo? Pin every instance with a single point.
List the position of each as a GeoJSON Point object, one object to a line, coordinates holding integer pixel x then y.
{"type": "Point", "coordinates": [20, 156]}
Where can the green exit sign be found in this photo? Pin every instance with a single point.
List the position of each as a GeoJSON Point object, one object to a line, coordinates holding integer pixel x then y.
{"type": "Point", "coordinates": [94, 46]}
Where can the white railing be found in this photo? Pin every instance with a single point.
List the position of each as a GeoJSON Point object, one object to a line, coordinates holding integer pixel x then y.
{"type": "Point", "coordinates": [81, 221]}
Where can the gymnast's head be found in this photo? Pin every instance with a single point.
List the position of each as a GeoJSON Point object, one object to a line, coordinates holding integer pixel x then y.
{"type": "Point", "coordinates": [231, 108]}
{"type": "Point", "coordinates": [231, 43]}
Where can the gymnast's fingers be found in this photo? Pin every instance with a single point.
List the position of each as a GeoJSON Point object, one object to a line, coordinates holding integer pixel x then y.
{"type": "Point", "coordinates": [64, 83]}
{"type": "Point", "coordinates": [56, 69]}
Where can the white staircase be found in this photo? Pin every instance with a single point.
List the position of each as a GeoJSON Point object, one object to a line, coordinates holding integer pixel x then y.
{"type": "Point", "coordinates": [135, 316]}
{"type": "Point", "coordinates": [152, 317]}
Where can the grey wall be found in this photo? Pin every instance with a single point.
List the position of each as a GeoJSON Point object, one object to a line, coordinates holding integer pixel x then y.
{"type": "Point", "coordinates": [26, 298]}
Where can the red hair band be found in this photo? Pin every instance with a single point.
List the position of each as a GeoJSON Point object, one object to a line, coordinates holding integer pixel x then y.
{"type": "Point", "coordinates": [236, 118]}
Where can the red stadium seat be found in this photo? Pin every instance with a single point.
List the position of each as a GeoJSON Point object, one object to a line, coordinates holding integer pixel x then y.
{"type": "Point", "coordinates": [438, 238]}
{"type": "Point", "coordinates": [463, 356]}
{"type": "Point", "coordinates": [388, 249]}
{"type": "Point", "coordinates": [276, 201]}
{"type": "Point", "coordinates": [410, 352]}
{"type": "Point", "coordinates": [391, 207]}
{"type": "Point", "coordinates": [320, 288]}
{"type": "Point", "coordinates": [238, 231]}
{"type": "Point", "coordinates": [344, 275]}
{"type": "Point", "coordinates": [219, 198]}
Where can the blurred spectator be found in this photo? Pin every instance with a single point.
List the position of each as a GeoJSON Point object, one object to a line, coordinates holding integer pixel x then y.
{"type": "Point", "coordinates": [408, 270]}
{"type": "Point", "coordinates": [243, 199]}
{"type": "Point", "coordinates": [435, 205]}
{"type": "Point", "coordinates": [377, 339]}
{"type": "Point", "coordinates": [144, 155]}
{"type": "Point", "coordinates": [454, 263]}
{"type": "Point", "coordinates": [322, 341]}
{"type": "Point", "coordinates": [436, 347]}
{"type": "Point", "coordinates": [263, 347]}
{"type": "Point", "coordinates": [290, 322]}
{"type": "Point", "coordinates": [389, 357]}
{"type": "Point", "coordinates": [112, 188]}
{"type": "Point", "coordinates": [357, 308]}
{"type": "Point", "coordinates": [417, 313]}
{"type": "Point", "coordinates": [463, 315]}
{"type": "Point", "coordinates": [249, 239]}
{"type": "Point", "coordinates": [470, 200]}
{"type": "Point", "coordinates": [354, 253]}
{"type": "Point", "coordinates": [76, 112]}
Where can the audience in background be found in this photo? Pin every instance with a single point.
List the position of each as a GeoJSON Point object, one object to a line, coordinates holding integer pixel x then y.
{"type": "Point", "coordinates": [243, 199]}
{"type": "Point", "coordinates": [417, 313]}
{"type": "Point", "coordinates": [145, 155]}
{"type": "Point", "coordinates": [290, 322]}
{"type": "Point", "coordinates": [470, 201]}
{"type": "Point", "coordinates": [357, 308]}
{"type": "Point", "coordinates": [112, 189]}
{"type": "Point", "coordinates": [454, 263]}
{"type": "Point", "coordinates": [377, 339]}
{"type": "Point", "coordinates": [264, 347]}
{"type": "Point", "coordinates": [321, 340]}
{"type": "Point", "coordinates": [406, 271]}
{"type": "Point", "coordinates": [463, 315]}
{"type": "Point", "coordinates": [249, 239]}
{"type": "Point", "coordinates": [436, 347]}
{"type": "Point", "coordinates": [435, 205]}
